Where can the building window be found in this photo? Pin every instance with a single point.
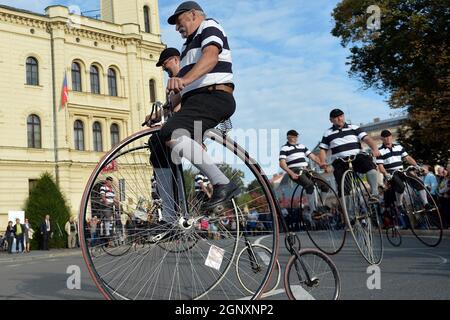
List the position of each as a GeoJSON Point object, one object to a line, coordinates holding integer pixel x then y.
{"type": "Point", "coordinates": [98, 141]}
{"type": "Point", "coordinates": [32, 72]}
{"type": "Point", "coordinates": [147, 19]}
{"type": "Point", "coordinates": [95, 80]}
{"type": "Point", "coordinates": [76, 77]}
{"type": "Point", "coordinates": [152, 91]}
{"type": "Point", "coordinates": [112, 82]}
{"type": "Point", "coordinates": [115, 135]}
{"type": "Point", "coordinates": [78, 132]}
{"type": "Point", "coordinates": [34, 131]}
{"type": "Point", "coordinates": [31, 184]}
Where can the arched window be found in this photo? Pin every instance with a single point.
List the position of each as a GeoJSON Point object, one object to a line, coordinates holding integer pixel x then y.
{"type": "Point", "coordinates": [95, 80]}
{"type": "Point", "coordinates": [112, 82]}
{"type": "Point", "coordinates": [32, 72]}
{"type": "Point", "coordinates": [98, 141]}
{"type": "Point", "coordinates": [76, 77]}
{"type": "Point", "coordinates": [34, 131]}
{"type": "Point", "coordinates": [147, 19]}
{"type": "Point", "coordinates": [152, 85]}
{"type": "Point", "coordinates": [78, 133]}
{"type": "Point", "coordinates": [115, 135]}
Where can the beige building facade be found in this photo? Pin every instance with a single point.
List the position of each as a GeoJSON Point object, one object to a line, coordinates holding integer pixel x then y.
{"type": "Point", "coordinates": [109, 64]}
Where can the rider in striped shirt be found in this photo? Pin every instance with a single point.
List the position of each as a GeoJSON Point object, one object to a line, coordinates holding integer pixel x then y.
{"type": "Point", "coordinates": [390, 161]}
{"type": "Point", "coordinates": [293, 159]}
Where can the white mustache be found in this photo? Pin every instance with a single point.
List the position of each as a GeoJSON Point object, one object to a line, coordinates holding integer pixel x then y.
{"type": "Point", "coordinates": [182, 30]}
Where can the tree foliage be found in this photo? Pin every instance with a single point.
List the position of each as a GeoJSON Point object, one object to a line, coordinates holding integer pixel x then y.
{"type": "Point", "coordinates": [408, 60]}
{"type": "Point", "coordinates": [45, 198]}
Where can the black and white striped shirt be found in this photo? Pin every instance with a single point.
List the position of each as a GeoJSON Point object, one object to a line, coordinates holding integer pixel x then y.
{"type": "Point", "coordinates": [295, 155]}
{"type": "Point", "coordinates": [392, 158]}
{"type": "Point", "coordinates": [208, 33]}
{"type": "Point", "coordinates": [343, 142]}
{"type": "Point", "coordinates": [109, 194]}
{"type": "Point", "coordinates": [200, 180]}
{"type": "Point", "coordinates": [154, 185]}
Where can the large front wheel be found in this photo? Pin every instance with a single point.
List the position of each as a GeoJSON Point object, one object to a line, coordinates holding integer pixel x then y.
{"type": "Point", "coordinates": [190, 256]}
{"type": "Point", "coordinates": [321, 215]}
{"type": "Point", "coordinates": [362, 217]}
{"type": "Point", "coordinates": [424, 217]}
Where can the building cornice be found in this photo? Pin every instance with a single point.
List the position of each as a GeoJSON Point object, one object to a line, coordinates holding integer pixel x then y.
{"type": "Point", "coordinates": [85, 31]}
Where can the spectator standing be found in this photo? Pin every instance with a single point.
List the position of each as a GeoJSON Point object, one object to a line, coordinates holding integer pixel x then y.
{"type": "Point", "coordinates": [9, 235]}
{"type": "Point", "coordinates": [46, 230]}
{"type": "Point", "coordinates": [28, 235]}
{"type": "Point", "coordinates": [72, 232]}
{"type": "Point", "coordinates": [19, 230]}
{"type": "Point", "coordinates": [430, 181]}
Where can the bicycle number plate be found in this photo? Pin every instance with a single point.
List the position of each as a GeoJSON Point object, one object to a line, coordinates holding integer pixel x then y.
{"type": "Point", "coordinates": [215, 257]}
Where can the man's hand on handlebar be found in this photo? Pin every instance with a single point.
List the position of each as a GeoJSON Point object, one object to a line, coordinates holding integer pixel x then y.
{"type": "Point", "coordinates": [325, 167]}
{"type": "Point", "coordinates": [376, 153]}
{"type": "Point", "coordinates": [293, 175]}
{"type": "Point", "coordinates": [152, 120]}
{"type": "Point", "coordinates": [176, 85]}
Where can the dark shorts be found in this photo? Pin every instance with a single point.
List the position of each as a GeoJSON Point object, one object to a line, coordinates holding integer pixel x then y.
{"type": "Point", "coordinates": [305, 180]}
{"type": "Point", "coordinates": [208, 109]}
{"type": "Point", "coordinates": [363, 163]}
{"type": "Point", "coordinates": [398, 182]}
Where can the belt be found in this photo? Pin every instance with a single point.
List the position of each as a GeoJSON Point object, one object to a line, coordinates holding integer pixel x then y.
{"type": "Point", "coordinates": [228, 88]}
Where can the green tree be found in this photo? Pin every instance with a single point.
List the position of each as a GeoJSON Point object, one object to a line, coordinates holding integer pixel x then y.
{"type": "Point", "coordinates": [46, 198]}
{"type": "Point", "coordinates": [408, 60]}
{"type": "Point", "coordinates": [235, 175]}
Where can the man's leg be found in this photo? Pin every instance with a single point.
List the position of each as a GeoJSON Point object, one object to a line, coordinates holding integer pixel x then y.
{"type": "Point", "coordinates": [308, 185]}
{"type": "Point", "coordinates": [160, 160]}
{"type": "Point", "coordinates": [22, 243]}
{"type": "Point", "coordinates": [364, 164]}
{"type": "Point", "coordinates": [201, 112]}
{"type": "Point", "coordinates": [17, 244]}
{"type": "Point", "coordinates": [339, 168]}
{"type": "Point", "coordinates": [399, 188]}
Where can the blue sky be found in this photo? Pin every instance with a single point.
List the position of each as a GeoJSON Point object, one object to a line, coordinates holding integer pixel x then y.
{"type": "Point", "coordinates": [289, 70]}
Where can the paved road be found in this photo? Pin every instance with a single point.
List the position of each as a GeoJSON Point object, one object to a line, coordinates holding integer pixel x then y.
{"type": "Point", "coordinates": [412, 271]}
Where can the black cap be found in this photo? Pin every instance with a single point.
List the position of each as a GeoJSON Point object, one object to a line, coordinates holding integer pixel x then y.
{"type": "Point", "coordinates": [185, 6]}
{"type": "Point", "coordinates": [292, 133]}
{"type": "Point", "coordinates": [166, 54]}
{"type": "Point", "coordinates": [336, 113]}
{"type": "Point", "coordinates": [386, 133]}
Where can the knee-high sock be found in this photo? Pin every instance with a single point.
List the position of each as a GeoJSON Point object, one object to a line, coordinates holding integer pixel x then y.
{"type": "Point", "coordinates": [189, 149]}
{"type": "Point", "coordinates": [372, 177]}
{"type": "Point", "coordinates": [164, 187]}
{"type": "Point", "coordinates": [423, 196]}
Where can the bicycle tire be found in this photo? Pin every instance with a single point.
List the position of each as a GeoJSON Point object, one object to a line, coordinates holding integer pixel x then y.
{"type": "Point", "coordinates": [109, 291]}
{"type": "Point", "coordinates": [363, 223]}
{"type": "Point", "coordinates": [330, 237]}
{"type": "Point", "coordinates": [295, 271]}
{"type": "Point", "coordinates": [240, 273]}
{"type": "Point", "coordinates": [429, 228]}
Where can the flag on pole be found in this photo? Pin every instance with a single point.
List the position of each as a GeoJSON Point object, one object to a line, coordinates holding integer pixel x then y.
{"type": "Point", "coordinates": [64, 92]}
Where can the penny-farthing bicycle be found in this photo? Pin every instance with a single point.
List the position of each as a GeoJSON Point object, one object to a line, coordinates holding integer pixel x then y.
{"type": "Point", "coordinates": [182, 260]}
